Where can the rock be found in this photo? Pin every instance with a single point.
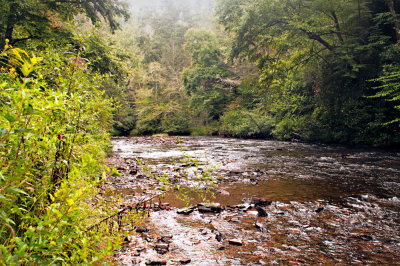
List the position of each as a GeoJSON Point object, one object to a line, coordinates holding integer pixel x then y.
{"type": "Point", "coordinates": [363, 237]}
{"type": "Point", "coordinates": [166, 239]}
{"type": "Point", "coordinates": [141, 230]}
{"type": "Point", "coordinates": [204, 209]}
{"type": "Point", "coordinates": [260, 226]}
{"type": "Point", "coordinates": [156, 262]}
{"type": "Point", "coordinates": [218, 236]}
{"type": "Point", "coordinates": [133, 172]}
{"type": "Point", "coordinates": [127, 241]}
{"type": "Point", "coordinates": [235, 220]}
{"type": "Point", "coordinates": [209, 208]}
{"type": "Point", "coordinates": [235, 242]}
{"type": "Point", "coordinates": [161, 248]}
{"type": "Point", "coordinates": [261, 212]}
{"type": "Point", "coordinates": [185, 261]}
{"type": "Point", "coordinates": [320, 209]}
{"type": "Point", "coordinates": [185, 211]}
{"type": "Point", "coordinates": [224, 192]}
{"type": "Point", "coordinates": [260, 202]}
{"type": "Point", "coordinates": [204, 232]}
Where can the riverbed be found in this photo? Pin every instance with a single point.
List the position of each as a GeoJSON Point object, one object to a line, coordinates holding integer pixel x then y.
{"type": "Point", "coordinates": [278, 202]}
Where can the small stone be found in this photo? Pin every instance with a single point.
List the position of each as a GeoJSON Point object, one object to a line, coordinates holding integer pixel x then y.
{"type": "Point", "coordinates": [184, 211]}
{"type": "Point", "coordinates": [260, 226]}
{"type": "Point", "coordinates": [224, 192]}
{"type": "Point", "coordinates": [218, 236]}
{"type": "Point", "coordinates": [320, 209]}
{"type": "Point", "coordinates": [261, 212]}
{"type": "Point", "coordinates": [363, 237]}
{"type": "Point", "coordinates": [141, 230]}
{"type": "Point", "coordinates": [161, 246]}
{"type": "Point", "coordinates": [156, 262]}
{"type": "Point", "coordinates": [235, 220]}
{"type": "Point", "coordinates": [260, 202]}
{"type": "Point", "coordinates": [204, 232]}
{"type": "Point", "coordinates": [235, 242]}
{"type": "Point", "coordinates": [166, 239]}
{"type": "Point", "coordinates": [185, 261]}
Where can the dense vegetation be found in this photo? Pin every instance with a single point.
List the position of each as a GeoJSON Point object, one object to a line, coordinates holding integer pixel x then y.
{"type": "Point", "coordinates": [72, 72]}
{"type": "Point", "coordinates": [54, 135]}
{"type": "Point", "coordinates": [306, 70]}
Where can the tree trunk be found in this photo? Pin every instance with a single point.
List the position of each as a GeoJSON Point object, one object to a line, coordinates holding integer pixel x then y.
{"type": "Point", "coordinates": [11, 21]}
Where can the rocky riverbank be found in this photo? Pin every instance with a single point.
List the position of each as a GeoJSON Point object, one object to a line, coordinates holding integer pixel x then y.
{"type": "Point", "coordinates": [245, 227]}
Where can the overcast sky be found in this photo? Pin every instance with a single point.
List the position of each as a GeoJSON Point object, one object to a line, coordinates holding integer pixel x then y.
{"type": "Point", "coordinates": [139, 5]}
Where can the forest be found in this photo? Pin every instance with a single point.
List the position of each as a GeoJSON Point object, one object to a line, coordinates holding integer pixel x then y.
{"type": "Point", "coordinates": [74, 73]}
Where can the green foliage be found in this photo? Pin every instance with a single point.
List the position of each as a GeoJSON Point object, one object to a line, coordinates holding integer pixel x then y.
{"type": "Point", "coordinates": [245, 123]}
{"type": "Point", "coordinates": [24, 20]}
{"type": "Point", "coordinates": [390, 90]}
{"type": "Point", "coordinates": [54, 121]}
{"type": "Point", "coordinates": [315, 59]}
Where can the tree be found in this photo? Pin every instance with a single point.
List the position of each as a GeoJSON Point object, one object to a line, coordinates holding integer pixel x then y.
{"type": "Point", "coordinates": [35, 19]}
{"type": "Point", "coordinates": [204, 79]}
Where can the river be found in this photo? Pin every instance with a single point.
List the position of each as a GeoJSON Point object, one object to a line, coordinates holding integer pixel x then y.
{"type": "Point", "coordinates": [326, 204]}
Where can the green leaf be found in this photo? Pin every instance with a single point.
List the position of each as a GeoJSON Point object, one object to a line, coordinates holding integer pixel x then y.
{"type": "Point", "coordinates": [22, 130]}
{"type": "Point", "coordinates": [16, 190]}
{"type": "Point", "coordinates": [114, 172]}
{"type": "Point", "coordinates": [10, 118]}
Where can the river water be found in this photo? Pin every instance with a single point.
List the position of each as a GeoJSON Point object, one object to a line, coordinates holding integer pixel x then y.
{"type": "Point", "coordinates": [330, 204]}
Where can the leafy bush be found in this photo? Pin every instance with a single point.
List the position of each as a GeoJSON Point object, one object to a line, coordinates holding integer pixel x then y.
{"type": "Point", "coordinates": [244, 123]}
{"type": "Point", "coordinates": [53, 139]}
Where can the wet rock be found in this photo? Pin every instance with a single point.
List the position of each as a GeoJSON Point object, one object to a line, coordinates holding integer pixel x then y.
{"type": "Point", "coordinates": [261, 212]}
{"type": "Point", "coordinates": [218, 236]}
{"type": "Point", "coordinates": [141, 230]}
{"type": "Point", "coordinates": [260, 202]}
{"type": "Point", "coordinates": [166, 239]}
{"type": "Point", "coordinates": [235, 220]}
{"type": "Point", "coordinates": [185, 261]}
{"type": "Point", "coordinates": [161, 248]}
{"type": "Point", "coordinates": [209, 208]}
{"type": "Point", "coordinates": [204, 231]}
{"type": "Point", "coordinates": [244, 206]}
{"type": "Point", "coordinates": [185, 211]}
{"type": "Point", "coordinates": [235, 242]}
{"type": "Point", "coordinates": [260, 226]}
{"type": "Point", "coordinates": [127, 241]}
{"type": "Point", "coordinates": [156, 262]}
{"type": "Point", "coordinates": [224, 192]}
{"type": "Point", "coordinates": [363, 237]}
{"type": "Point", "coordinates": [204, 209]}
{"type": "Point", "coordinates": [133, 172]}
